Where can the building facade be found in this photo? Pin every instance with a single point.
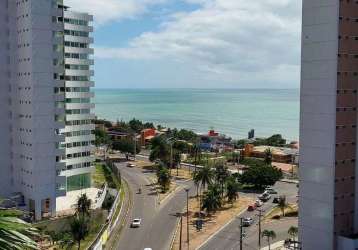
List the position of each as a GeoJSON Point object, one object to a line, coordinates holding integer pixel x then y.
{"type": "Point", "coordinates": [328, 214]}
{"type": "Point", "coordinates": [45, 112]}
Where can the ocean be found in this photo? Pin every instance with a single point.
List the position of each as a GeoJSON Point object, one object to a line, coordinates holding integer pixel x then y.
{"type": "Point", "coordinates": [229, 111]}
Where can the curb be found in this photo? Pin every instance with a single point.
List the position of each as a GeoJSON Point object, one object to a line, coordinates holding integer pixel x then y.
{"type": "Point", "coordinates": [220, 229]}
{"type": "Point", "coordinates": [124, 220]}
{"type": "Point", "coordinates": [174, 235]}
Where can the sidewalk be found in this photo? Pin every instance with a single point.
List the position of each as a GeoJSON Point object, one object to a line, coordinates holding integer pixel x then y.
{"type": "Point", "coordinates": [276, 246]}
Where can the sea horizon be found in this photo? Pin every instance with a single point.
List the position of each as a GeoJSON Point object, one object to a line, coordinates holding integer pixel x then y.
{"type": "Point", "coordinates": [232, 112]}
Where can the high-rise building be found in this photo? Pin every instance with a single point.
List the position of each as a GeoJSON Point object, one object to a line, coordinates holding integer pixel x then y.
{"type": "Point", "coordinates": [45, 102]}
{"type": "Point", "coordinates": [328, 202]}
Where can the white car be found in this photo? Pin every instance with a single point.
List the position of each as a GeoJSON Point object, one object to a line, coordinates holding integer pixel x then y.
{"type": "Point", "coordinates": [147, 248]}
{"type": "Point", "coordinates": [136, 222]}
{"type": "Point", "coordinates": [247, 222]}
{"type": "Point", "coordinates": [270, 191]}
{"type": "Point", "coordinates": [258, 203]}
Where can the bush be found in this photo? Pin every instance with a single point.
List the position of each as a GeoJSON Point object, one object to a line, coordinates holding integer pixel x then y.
{"type": "Point", "coordinates": [108, 202]}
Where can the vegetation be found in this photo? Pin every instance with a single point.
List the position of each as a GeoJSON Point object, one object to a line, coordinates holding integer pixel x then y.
{"type": "Point", "coordinates": [232, 189]}
{"type": "Point", "coordinates": [133, 126]}
{"type": "Point", "coordinates": [126, 146]}
{"type": "Point", "coordinates": [282, 204]}
{"type": "Point", "coordinates": [221, 175]}
{"type": "Point", "coordinates": [101, 137]}
{"type": "Point", "coordinates": [79, 229]}
{"type": "Point", "coordinates": [160, 150]}
{"type": "Point", "coordinates": [274, 141]}
{"type": "Point", "coordinates": [108, 202]}
{"type": "Point", "coordinates": [268, 156]}
{"type": "Point", "coordinates": [16, 234]}
{"type": "Point", "coordinates": [212, 199]}
{"type": "Point", "coordinates": [102, 175]}
{"type": "Point", "coordinates": [269, 235]}
{"type": "Point", "coordinates": [83, 206]}
{"type": "Point", "coordinates": [261, 176]}
{"type": "Point", "coordinates": [163, 178]}
{"type": "Point", "coordinates": [183, 134]}
{"type": "Point", "coordinates": [107, 124]}
{"type": "Point", "coordinates": [293, 232]}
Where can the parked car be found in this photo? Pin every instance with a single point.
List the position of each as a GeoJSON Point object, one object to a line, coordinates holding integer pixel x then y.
{"type": "Point", "coordinates": [247, 222]}
{"type": "Point", "coordinates": [130, 165]}
{"type": "Point", "coordinates": [251, 208]}
{"type": "Point", "coordinates": [136, 222]}
{"type": "Point", "coordinates": [258, 203]}
{"type": "Point", "coordinates": [264, 197]}
{"type": "Point", "coordinates": [270, 190]}
{"type": "Point", "coordinates": [276, 200]}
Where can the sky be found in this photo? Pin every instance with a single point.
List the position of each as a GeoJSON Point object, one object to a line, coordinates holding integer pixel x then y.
{"type": "Point", "coordinates": [195, 43]}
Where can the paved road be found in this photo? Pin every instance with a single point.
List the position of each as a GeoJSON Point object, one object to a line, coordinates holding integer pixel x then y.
{"type": "Point", "coordinates": [158, 221]}
{"type": "Point", "coordinates": [228, 238]}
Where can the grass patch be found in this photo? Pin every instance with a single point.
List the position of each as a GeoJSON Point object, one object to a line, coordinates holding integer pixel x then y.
{"type": "Point", "coordinates": [98, 176]}
{"type": "Point", "coordinates": [98, 218]}
{"type": "Point", "coordinates": [104, 174]}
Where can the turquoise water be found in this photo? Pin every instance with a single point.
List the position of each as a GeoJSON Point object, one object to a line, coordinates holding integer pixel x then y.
{"type": "Point", "coordinates": [232, 112]}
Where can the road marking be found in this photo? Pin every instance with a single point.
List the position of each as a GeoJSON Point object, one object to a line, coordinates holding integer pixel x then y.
{"type": "Point", "coordinates": [221, 229]}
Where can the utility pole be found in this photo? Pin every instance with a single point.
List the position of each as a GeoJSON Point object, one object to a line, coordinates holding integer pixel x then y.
{"type": "Point", "coordinates": [241, 233]}
{"type": "Point", "coordinates": [171, 157]}
{"type": "Point", "coordinates": [187, 215]}
{"type": "Point", "coordinates": [135, 146]}
{"type": "Point", "coordinates": [260, 215]}
{"type": "Point", "coordinates": [181, 231]}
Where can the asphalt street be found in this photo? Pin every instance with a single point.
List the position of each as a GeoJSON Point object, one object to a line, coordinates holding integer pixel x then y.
{"type": "Point", "coordinates": [228, 237]}
{"type": "Point", "coordinates": [158, 220]}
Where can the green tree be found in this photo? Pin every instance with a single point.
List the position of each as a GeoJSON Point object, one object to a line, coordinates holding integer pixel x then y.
{"type": "Point", "coordinates": [160, 150]}
{"type": "Point", "coordinates": [79, 228]}
{"type": "Point", "coordinates": [261, 176]}
{"type": "Point", "coordinates": [66, 242]}
{"type": "Point", "coordinates": [126, 146]}
{"type": "Point", "coordinates": [232, 189]}
{"type": "Point", "coordinates": [163, 177]}
{"type": "Point", "coordinates": [212, 199]}
{"type": "Point", "coordinates": [270, 235]}
{"type": "Point", "coordinates": [83, 205]}
{"type": "Point", "coordinates": [136, 125]}
{"type": "Point", "coordinates": [16, 234]}
{"type": "Point", "coordinates": [101, 137]}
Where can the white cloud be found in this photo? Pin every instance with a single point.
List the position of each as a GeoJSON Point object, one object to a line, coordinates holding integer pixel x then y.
{"type": "Point", "coordinates": [232, 40]}
{"type": "Point", "coordinates": [112, 10]}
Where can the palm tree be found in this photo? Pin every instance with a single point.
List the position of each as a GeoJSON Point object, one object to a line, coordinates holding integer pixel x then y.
{"type": "Point", "coordinates": [282, 204]}
{"type": "Point", "coordinates": [79, 228]}
{"type": "Point", "coordinates": [212, 199]}
{"type": "Point", "coordinates": [16, 234]}
{"type": "Point", "coordinates": [293, 232]}
{"type": "Point", "coordinates": [83, 205]}
{"type": "Point", "coordinates": [269, 234]}
{"type": "Point", "coordinates": [196, 180]}
{"type": "Point", "coordinates": [221, 175]}
{"type": "Point", "coordinates": [163, 178]}
{"type": "Point", "coordinates": [232, 189]}
{"type": "Point", "coordinates": [206, 175]}
{"type": "Point", "coordinates": [268, 156]}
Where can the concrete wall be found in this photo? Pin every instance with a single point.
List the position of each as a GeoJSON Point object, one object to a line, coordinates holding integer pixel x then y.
{"type": "Point", "coordinates": [318, 123]}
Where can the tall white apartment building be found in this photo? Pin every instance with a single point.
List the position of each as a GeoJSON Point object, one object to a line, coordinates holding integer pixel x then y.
{"type": "Point", "coordinates": [45, 102]}
{"type": "Point", "coordinates": [328, 203]}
